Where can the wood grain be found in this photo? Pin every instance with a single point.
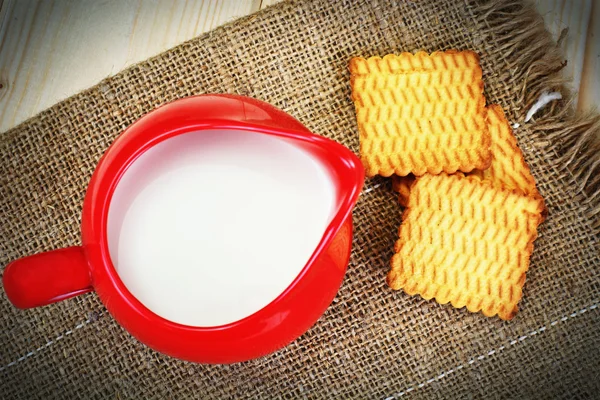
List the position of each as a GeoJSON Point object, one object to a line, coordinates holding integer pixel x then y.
{"type": "Point", "coordinates": [52, 49]}
{"type": "Point", "coordinates": [589, 92]}
{"type": "Point", "coordinates": [574, 16]}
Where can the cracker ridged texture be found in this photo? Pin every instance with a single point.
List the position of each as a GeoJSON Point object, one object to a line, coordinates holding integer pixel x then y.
{"type": "Point", "coordinates": [508, 168]}
{"type": "Point", "coordinates": [372, 342]}
{"type": "Point", "coordinates": [465, 242]}
{"type": "Point", "coordinates": [420, 113]}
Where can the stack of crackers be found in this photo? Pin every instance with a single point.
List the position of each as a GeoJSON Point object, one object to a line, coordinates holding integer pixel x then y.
{"type": "Point", "coordinates": [471, 205]}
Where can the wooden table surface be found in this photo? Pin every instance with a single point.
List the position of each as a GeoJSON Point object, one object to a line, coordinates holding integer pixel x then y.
{"type": "Point", "coordinates": [50, 50]}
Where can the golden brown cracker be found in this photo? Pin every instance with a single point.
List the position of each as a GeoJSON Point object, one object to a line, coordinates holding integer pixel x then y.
{"type": "Point", "coordinates": [401, 185]}
{"type": "Point", "coordinates": [508, 168]}
{"type": "Point", "coordinates": [409, 62]}
{"type": "Point", "coordinates": [466, 242]}
{"type": "Point", "coordinates": [420, 113]}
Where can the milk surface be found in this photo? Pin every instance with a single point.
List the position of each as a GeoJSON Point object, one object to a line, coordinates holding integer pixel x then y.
{"type": "Point", "coordinates": [209, 227]}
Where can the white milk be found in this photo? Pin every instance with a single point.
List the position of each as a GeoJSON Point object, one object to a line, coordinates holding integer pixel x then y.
{"type": "Point", "coordinates": [209, 227]}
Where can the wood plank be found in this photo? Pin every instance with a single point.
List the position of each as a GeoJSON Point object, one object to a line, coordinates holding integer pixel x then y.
{"type": "Point", "coordinates": [589, 92]}
{"type": "Point", "coordinates": [574, 15]}
{"type": "Point", "coordinates": [267, 3]}
{"type": "Point", "coordinates": [50, 50]}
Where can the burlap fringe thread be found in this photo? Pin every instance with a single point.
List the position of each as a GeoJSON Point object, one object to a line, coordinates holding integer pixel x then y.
{"type": "Point", "coordinates": [575, 138]}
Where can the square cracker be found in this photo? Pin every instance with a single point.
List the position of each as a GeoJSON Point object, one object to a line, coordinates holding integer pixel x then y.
{"type": "Point", "coordinates": [420, 113]}
{"type": "Point", "coordinates": [466, 242]}
{"type": "Point", "coordinates": [508, 168]}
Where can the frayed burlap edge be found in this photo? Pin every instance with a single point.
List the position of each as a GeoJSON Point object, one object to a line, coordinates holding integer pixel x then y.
{"type": "Point", "coordinates": [575, 138]}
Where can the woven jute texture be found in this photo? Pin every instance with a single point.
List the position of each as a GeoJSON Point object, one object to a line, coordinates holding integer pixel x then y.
{"type": "Point", "coordinates": [372, 342]}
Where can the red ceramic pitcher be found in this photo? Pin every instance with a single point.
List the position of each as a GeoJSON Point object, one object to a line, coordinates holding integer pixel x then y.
{"type": "Point", "coordinates": [49, 277]}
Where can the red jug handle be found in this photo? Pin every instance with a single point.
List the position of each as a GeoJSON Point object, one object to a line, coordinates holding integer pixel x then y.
{"type": "Point", "coordinates": [46, 278]}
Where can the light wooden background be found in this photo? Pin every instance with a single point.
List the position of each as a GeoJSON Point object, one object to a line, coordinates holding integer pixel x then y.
{"type": "Point", "coordinates": [52, 49]}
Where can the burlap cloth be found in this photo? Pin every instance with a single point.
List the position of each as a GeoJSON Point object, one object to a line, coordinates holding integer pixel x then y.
{"type": "Point", "coordinates": [372, 342]}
